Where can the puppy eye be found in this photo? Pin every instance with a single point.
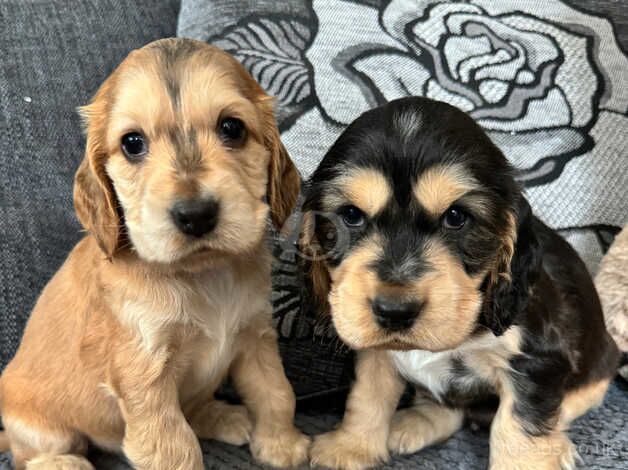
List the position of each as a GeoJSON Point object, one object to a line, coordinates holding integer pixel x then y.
{"type": "Point", "coordinates": [232, 131]}
{"type": "Point", "coordinates": [454, 218]}
{"type": "Point", "coordinates": [134, 146]}
{"type": "Point", "coordinates": [352, 216]}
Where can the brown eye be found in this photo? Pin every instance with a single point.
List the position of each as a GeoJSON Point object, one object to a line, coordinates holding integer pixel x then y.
{"type": "Point", "coordinates": [454, 218]}
{"type": "Point", "coordinates": [134, 146]}
{"type": "Point", "coordinates": [232, 131]}
{"type": "Point", "coordinates": [352, 216]}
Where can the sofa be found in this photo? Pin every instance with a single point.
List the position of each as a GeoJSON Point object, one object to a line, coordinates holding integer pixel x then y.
{"type": "Point", "coordinates": [326, 62]}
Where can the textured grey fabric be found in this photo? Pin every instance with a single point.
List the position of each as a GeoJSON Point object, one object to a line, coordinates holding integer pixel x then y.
{"type": "Point", "coordinates": [601, 439]}
{"type": "Point", "coordinates": [54, 55]}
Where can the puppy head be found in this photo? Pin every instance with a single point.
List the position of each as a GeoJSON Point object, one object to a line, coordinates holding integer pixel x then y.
{"type": "Point", "coordinates": [183, 157]}
{"type": "Point", "coordinates": [412, 222]}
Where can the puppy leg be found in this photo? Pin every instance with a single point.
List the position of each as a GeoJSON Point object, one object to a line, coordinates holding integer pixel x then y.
{"type": "Point", "coordinates": [512, 448]}
{"type": "Point", "coordinates": [260, 379]}
{"type": "Point", "coordinates": [423, 424]}
{"type": "Point", "coordinates": [157, 434]}
{"type": "Point", "coordinates": [35, 448]}
{"type": "Point", "coordinates": [219, 420]}
{"type": "Point", "coordinates": [360, 441]}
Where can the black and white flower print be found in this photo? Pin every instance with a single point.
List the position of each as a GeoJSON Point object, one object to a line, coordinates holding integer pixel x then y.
{"type": "Point", "coordinates": [545, 80]}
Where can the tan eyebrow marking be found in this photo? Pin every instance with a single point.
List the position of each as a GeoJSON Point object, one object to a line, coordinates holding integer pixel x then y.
{"type": "Point", "coordinates": [440, 186]}
{"type": "Point", "coordinates": [365, 188]}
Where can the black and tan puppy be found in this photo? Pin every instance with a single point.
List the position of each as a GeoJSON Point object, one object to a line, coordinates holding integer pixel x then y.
{"type": "Point", "coordinates": [435, 270]}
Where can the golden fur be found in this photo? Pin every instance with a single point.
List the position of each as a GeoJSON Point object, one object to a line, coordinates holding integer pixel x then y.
{"type": "Point", "coordinates": [360, 441]}
{"type": "Point", "coordinates": [132, 336]}
{"type": "Point", "coordinates": [440, 186]}
{"type": "Point", "coordinates": [364, 187]}
{"type": "Point", "coordinates": [612, 285]}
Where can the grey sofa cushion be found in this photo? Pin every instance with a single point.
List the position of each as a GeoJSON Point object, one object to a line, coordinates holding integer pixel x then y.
{"type": "Point", "coordinates": [54, 55]}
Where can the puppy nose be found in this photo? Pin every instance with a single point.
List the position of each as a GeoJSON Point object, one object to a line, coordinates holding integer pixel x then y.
{"type": "Point", "coordinates": [394, 315]}
{"type": "Point", "coordinates": [195, 217]}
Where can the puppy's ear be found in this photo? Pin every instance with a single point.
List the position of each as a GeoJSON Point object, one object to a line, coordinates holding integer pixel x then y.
{"type": "Point", "coordinates": [284, 181]}
{"type": "Point", "coordinates": [94, 197]}
{"type": "Point", "coordinates": [518, 267]}
{"type": "Point", "coordinates": [317, 278]}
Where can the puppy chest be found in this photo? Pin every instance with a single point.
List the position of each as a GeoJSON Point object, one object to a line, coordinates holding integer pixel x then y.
{"type": "Point", "coordinates": [206, 363]}
{"type": "Point", "coordinates": [445, 375]}
{"type": "Point", "coordinates": [432, 371]}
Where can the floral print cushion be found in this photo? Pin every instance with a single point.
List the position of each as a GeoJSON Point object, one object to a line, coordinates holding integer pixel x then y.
{"type": "Point", "coordinates": [546, 80]}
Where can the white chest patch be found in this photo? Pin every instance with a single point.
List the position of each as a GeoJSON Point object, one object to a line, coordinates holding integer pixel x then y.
{"type": "Point", "coordinates": [431, 370]}
{"type": "Point", "coordinates": [485, 357]}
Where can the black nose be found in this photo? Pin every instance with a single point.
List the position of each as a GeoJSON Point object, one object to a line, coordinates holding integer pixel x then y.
{"type": "Point", "coordinates": [195, 217]}
{"type": "Point", "coordinates": [394, 315]}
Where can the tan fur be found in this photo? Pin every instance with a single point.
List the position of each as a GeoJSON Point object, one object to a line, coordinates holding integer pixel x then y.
{"type": "Point", "coordinates": [257, 362]}
{"type": "Point", "coordinates": [489, 356]}
{"type": "Point", "coordinates": [4, 442]}
{"type": "Point", "coordinates": [365, 188]}
{"type": "Point", "coordinates": [145, 323]}
{"type": "Point", "coordinates": [451, 298]}
{"type": "Point", "coordinates": [440, 186]}
{"type": "Point", "coordinates": [611, 283]}
{"type": "Point", "coordinates": [360, 441]}
{"type": "Point", "coordinates": [315, 268]}
{"type": "Point", "coordinates": [423, 424]}
{"type": "Point", "coordinates": [506, 251]}
{"type": "Point", "coordinates": [59, 462]}
{"type": "Point", "coordinates": [513, 449]}
{"type": "Point", "coordinates": [579, 401]}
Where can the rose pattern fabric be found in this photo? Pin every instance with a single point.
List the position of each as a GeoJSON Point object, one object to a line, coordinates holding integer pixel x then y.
{"type": "Point", "coordinates": [511, 72]}
{"type": "Point", "coordinates": [546, 81]}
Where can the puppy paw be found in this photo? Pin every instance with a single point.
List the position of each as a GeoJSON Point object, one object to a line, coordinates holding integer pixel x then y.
{"type": "Point", "coordinates": [342, 450]}
{"type": "Point", "coordinates": [570, 458]}
{"type": "Point", "coordinates": [233, 425]}
{"type": "Point", "coordinates": [59, 462]}
{"type": "Point", "coordinates": [283, 448]}
{"type": "Point", "coordinates": [422, 425]}
{"type": "Point", "coordinates": [407, 432]}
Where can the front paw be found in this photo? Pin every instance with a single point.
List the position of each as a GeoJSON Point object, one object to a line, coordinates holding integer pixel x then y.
{"type": "Point", "coordinates": [146, 448]}
{"type": "Point", "coordinates": [233, 425]}
{"type": "Point", "coordinates": [407, 432]}
{"type": "Point", "coordinates": [342, 450]}
{"type": "Point", "coordinates": [284, 448]}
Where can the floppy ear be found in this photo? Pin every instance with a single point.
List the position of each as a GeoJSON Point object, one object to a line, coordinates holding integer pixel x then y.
{"type": "Point", "coordinates": [519, 263]}
{"type": "Point", "coordinates": [284, 181]}
{"type": "Point", "coordinates": [317, 278]}
{"type": "Point", "coordinates": [94, 197]}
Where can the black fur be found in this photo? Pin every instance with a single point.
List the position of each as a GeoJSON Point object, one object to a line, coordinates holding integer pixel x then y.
{"type": "Point", "coordinates": [547, 291]}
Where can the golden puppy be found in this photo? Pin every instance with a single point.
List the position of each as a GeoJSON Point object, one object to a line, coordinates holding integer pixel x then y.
{"type": "Point", "coordinates": [169, 291]}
